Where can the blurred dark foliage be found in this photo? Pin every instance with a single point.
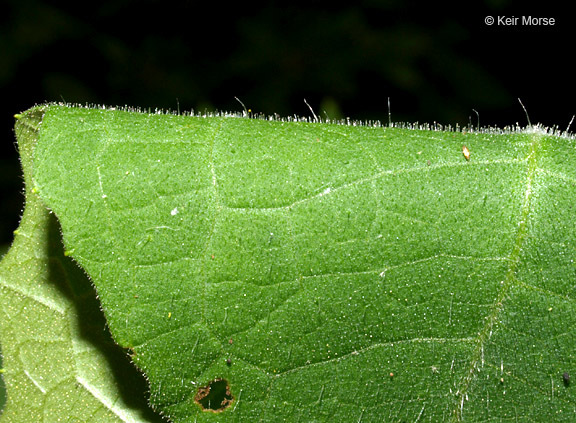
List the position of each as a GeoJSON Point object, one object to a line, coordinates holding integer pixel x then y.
{"type": "Point", "coordinates": [436, 64]}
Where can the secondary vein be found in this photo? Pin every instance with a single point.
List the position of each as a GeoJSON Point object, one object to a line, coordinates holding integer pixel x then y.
{"type": "Point", "coordinates": [514, 259]}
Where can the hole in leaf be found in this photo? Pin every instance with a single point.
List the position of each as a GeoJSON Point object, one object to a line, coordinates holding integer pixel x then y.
{"type": "Point", "coordinates": [215, 396]}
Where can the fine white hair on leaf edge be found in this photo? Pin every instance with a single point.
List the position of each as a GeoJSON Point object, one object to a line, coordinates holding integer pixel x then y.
{"type": "Point", "coordinates": [435, 126]}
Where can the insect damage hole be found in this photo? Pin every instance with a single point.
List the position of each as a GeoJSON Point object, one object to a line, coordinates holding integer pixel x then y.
{"type": "Point", "coordinates": [215, 396]}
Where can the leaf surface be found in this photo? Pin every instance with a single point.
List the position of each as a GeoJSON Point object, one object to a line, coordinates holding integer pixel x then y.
{"type": "Point", "coordinates": [59, 362]}
{"type": "Point", "coordinates": [323, 272]}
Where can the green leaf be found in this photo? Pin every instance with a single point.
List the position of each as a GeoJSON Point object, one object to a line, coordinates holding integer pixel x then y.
{"type": "Point", "coordinates": [59, 362]}
{"type": "Point", "coordinates": [290, 271]}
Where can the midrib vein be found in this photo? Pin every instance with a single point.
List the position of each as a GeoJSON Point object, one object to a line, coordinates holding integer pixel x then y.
{"type": "Point", "coordinates": [486, 331]}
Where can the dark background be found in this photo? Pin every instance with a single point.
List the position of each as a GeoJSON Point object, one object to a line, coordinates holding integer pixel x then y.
{"type": "Point", "coordinates": [435, 63]}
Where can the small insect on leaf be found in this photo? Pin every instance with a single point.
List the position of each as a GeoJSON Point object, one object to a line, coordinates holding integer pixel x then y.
{"type": "Point", "coordinates": [466, 152]}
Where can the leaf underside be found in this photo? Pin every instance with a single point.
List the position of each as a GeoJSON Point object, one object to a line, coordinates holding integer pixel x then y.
{"type": "Point", "coordinates": [292, 271]}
